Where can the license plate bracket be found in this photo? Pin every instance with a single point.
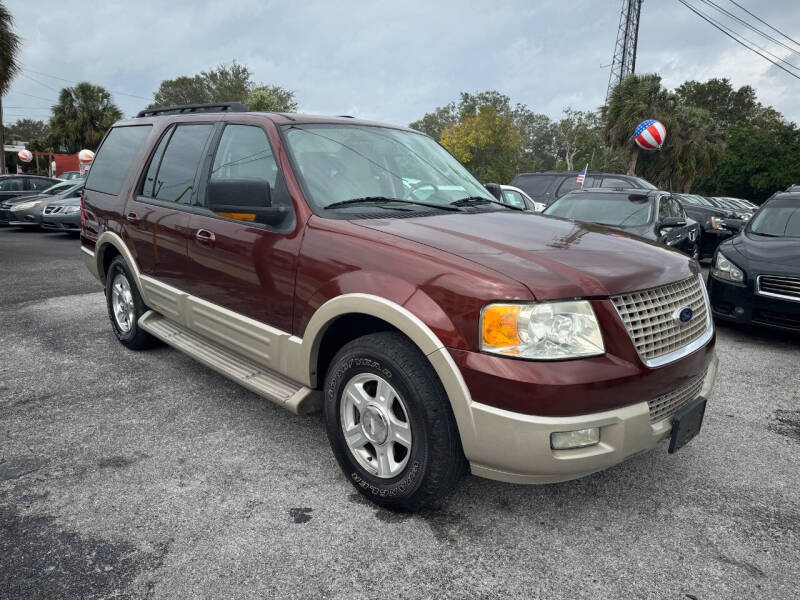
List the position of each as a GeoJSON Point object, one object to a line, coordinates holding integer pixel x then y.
{"type": "Point", "coordinates": [686, 423]}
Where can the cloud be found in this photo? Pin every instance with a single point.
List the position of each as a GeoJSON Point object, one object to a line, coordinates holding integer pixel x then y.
{"type": "Point", "coordinates": [390, 61]}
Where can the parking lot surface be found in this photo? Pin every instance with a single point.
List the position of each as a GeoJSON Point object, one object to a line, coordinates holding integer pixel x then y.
{"type": "Point", "coordinates": [146, 475]}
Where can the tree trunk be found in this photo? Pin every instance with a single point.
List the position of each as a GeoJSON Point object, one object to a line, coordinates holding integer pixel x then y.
{"type": "Point", "coordinates": [2, 141]}
{"type": "Point", "coordinates": [634, 158]}
{"type": "Point", "coordinates": [687, 187]}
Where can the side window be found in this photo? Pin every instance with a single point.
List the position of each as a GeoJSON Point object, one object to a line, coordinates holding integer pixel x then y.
{"type": "Point", "coordinates": [173, 180]}
{"type": "Point", "coordinates": [41, 184]}
{"type": "Point", "coordinates": [244, 153]}
{"type": "Point", "coordinates": [615, 182]}
{"type": "Point", "coordinates": [114, 158]}
{"type": "Point", "coordinates": [571, 183]}
{"type": "Point", "coordinates": [12, 184]}
{"type": "Point", "coordinates": [155, 163]}
{"type": "Point", "coordinates": [514, 199]}
{"type": "Point", "coordinates": [668, 207]}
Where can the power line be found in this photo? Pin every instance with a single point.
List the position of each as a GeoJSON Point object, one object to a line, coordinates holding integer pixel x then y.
{"type": "Point", "coordinates": [40, 83]}
{"type": "Point", "coordinates": [735, 37]}
{"type": "Point", "coordinates": [71, 81]}
{"type": "Point", "coordinates": [32, 96]}
{"type": "Point", "coordinates": [749, 26]}
{"type": "Point", "coordinates": [765, 23]}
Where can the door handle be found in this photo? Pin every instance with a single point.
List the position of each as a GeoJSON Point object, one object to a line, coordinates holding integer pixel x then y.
{"type": "Point", "coordinates": [204, 236]}
{"type": "Point", "coordinates": [132, 217]}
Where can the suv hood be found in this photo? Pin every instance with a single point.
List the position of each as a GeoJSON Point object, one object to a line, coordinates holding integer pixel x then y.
{"type": "Point", "coordinates": [554, 258]}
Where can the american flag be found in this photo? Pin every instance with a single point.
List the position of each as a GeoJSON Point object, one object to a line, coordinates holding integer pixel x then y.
{"type": "Point", "coordinates": [582, 175]}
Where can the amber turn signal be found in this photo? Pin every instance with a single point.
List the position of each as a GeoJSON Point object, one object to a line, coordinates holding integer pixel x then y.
{"type": "Point", "coordinates": [500, 325]}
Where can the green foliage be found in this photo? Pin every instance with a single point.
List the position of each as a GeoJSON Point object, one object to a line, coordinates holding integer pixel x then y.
{"type": "Point", "coordinates": [271, 98]}
{"type": "Point", "coordinates": [225, 83]}
{"type": "Point", "coordinates": [28, 130]}
{"type": "Point", "coordinates": [82, 116]}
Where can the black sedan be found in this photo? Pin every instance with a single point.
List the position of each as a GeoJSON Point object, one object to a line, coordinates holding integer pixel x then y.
{"type": "Point", "coordinates": [651, 214]}
{"type": "Point", "coordinates": [755, 276]}
{"type": "Point", "coordinates": [712, 218]}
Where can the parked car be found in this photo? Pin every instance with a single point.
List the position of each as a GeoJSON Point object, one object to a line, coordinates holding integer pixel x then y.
{"type": "Point", "coordinates": [547, 186]}
{"type": "Point", "coordinates": [654, 215]}
{"type": "Point", "coordinates": [70, 175]}
{"type": "Point", "coordinates": [741, 203]}
{"type": "Point", "coordinates": [63, 215]}
{"type": "Point", "coordinates": [28, 211]}
{"type": "Point", "coordinates": [31, 185]}
{"type": "Point", "coordinates": [437, 329]}
{"type": "Point", "coordinates": [755, 276]}
{"type": "Point", "coordinates": [514, 197]}
{"type": "Point", "coordinates": [713, 220]}
{"type": "Point", "coordinates": [738, 212]}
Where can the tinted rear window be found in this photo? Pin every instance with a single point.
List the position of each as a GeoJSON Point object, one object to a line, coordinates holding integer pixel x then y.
{"type": "Point", "coordinates": [534, 185]}
{"type": "Point", "coordinates": [115, 157]}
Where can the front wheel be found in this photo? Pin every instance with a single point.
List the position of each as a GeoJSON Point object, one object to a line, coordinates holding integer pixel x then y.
{"type": "Point", "coordinates": [389, 423]}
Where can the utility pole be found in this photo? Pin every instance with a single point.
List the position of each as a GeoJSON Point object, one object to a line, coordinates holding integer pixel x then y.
{"type": "Point", "coordinates": [624, 62]}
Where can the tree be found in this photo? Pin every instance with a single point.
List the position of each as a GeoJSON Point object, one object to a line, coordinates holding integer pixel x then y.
{"type": "Point", "coordinates": [28, 130]}
{"type": "Point", "coordinates": [9, 67]}
{"type": "Point", "coordinates": [636, 98]}
{"type": "Point", "coordinates": [271, 98]}
{"type": "Point", "coordinates": [82, 116]}
{"type": "Point", "coordinates": [487, 143]}
{"type": "Point", "coordinates": [225, 83]}
{"type": "Point", "coordinates": [724, 104]}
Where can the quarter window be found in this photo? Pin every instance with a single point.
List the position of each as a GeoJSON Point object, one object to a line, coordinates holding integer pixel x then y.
{"type": "Point", "coordinates": [115, 157]}
{"type": "Point", "coordinates": [244, 153]}
{"type": "Point", "coordinates": [173, 181]}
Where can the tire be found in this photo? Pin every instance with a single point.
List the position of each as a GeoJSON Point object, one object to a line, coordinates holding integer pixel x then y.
{"type": "Point", "coordinates": [390, 473]}
{"type": "Point", "coordinates": [127, 330]}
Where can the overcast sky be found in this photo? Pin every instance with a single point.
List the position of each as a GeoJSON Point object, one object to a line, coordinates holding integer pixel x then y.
{"type": "Point", "coordinates": [388, 61]}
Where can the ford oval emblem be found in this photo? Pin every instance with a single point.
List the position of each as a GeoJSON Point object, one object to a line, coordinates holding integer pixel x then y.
{"type": "Point", "coordinates": [683, 315]}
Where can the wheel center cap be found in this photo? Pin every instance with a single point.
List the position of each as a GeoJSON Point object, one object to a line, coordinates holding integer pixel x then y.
{"type": "Point", "coordinates": [373, 424]}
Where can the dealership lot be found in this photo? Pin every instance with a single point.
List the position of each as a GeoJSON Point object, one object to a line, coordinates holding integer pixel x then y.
{"type": "Point", "coordinates": [148, 475]}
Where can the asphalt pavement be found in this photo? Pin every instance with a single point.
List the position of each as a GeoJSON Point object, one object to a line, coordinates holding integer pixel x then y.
{"type": "Point", "coordinates": [145, 475]}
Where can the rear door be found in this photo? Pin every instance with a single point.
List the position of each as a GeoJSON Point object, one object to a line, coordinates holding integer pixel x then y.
{"type": "Point", "coordinates": [681, 238]}
{"type": "Point", "coordinates": [157, 217]}
{"type": "Point", "coordinates": [237, 263]}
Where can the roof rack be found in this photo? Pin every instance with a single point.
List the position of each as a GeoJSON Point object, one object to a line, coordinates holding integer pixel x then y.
{"type": "Point", "coordinates": [192, 108]}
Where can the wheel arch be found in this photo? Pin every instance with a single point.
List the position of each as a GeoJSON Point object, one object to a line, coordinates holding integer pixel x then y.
{"type": "Point", "coordinates": [109, 245]}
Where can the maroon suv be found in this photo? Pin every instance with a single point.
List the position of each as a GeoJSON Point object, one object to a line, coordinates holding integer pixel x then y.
{"type": "Point", "coordinates": [332, 262]}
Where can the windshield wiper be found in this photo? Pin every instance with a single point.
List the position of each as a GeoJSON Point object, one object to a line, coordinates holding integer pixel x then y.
{"type": "Point", "coordinates": [473, 200]}
{"type": "Point", "coordinates": [383, 199]}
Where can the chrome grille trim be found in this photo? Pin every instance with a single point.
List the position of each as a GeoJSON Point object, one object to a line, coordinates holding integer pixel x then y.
{"type": "Point", "coordinates": [647, 315]}
{"type": "Point", "coordinates": [49, 210]}
{"type": "Point", "coordinates": [779, 286]}
{"type": "Point", "coordinates": [667, 405]}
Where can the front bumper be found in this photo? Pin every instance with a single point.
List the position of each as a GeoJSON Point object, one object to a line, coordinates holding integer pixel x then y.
{"type": "Point", "coordinates": [509, 445]}
{"type": "Point", "coordinates": [740, 304]}
{"type": "Point", "coordinates": [62, 222]}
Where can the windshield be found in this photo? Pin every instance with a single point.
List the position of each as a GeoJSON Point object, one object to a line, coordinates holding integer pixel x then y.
{"type": "Point", "coordinates": [58, 188]}
{"type": "Point", "coordinates": [619, 210]}
{"type": "Point", "coordinates": [695, 199]}
{"type": "Point", "coordinates": [643, 183]}
{"type": "Point", "coordinates": [346, 162]}
{"type": "Point", "coordinates": [780, 218]}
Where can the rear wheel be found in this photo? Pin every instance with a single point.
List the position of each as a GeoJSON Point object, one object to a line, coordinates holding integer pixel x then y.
{"type": "Point", "coordinates": [389, 423]}
{"type": "Point", "coordinates": [125, 306]}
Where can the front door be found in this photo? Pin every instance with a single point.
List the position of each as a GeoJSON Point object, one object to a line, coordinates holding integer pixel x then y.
{"type": "Point", "coordinates": [237, 263]}
{"type": "Point", "coordinates": [156, 220]}
{"type": "Point", "coordinates": [679, 238]}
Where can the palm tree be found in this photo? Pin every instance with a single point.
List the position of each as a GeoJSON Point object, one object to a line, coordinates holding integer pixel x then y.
{"type": "Point", "coordinates": [9, 48]}
{"type": "Point", "coordinates": [82, 116]}
{"type": "Point", "coordinates": [635, 99]}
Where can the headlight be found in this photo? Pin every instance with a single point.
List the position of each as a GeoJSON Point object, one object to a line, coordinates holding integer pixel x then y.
{"type": "Point", "coordinates": [26, 205]}
{"type": "Point", "coordinates": [725, 269]}
{"type": "Point", "coordinates": [542, 331]}
{"type": "Point", "coordinates": [71, 209]}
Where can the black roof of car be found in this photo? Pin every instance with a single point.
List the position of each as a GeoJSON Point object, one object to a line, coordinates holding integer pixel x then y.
{"type": "Point", "coordinates": [573, 172]}
{"type": "Point", "coordinates": [600, 190]}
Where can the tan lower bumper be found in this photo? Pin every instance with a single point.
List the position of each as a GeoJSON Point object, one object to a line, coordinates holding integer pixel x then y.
{"type": "Point", "coordinates": [516, 448]}
{"type": "Point", "coordinates": [90, 260]}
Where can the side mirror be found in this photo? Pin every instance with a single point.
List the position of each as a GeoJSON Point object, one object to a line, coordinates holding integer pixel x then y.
{"type": "Point", "coordinates": [672, 222]}
{"type": "Point", "coordinates": [244, 200]}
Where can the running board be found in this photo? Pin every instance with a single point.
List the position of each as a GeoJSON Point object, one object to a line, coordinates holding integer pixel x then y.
{"type": "Point", "coordinates": [256, 378]}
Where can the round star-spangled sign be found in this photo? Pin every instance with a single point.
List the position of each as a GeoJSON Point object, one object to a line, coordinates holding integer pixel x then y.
{"type": "Point", "coordinates": [650, 135]}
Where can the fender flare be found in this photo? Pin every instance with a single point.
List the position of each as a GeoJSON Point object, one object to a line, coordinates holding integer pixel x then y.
{"type": "Point", "coordinates": [101, 245]}
{"type": "Point", "coordinates": [408, 323]}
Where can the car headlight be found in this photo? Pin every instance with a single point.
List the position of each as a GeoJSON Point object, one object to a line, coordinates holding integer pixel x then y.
{"type": "Point", "coordinates": [26, 205]}
{"type": "Point", "coordinates": [541, 331]}
{"type": "Point", "coordinates": [71, 209]}
{"type": "Point", "coordinates": [725, 269]}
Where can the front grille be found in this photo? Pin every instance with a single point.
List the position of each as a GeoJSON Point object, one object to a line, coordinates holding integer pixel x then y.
{"type": "Point", "coordinates": [778, 285]}
{"type": "Point", "coordinates": [667, 405]}
{"type": "Point", "coordinates": [649, 317]}
{"type": "Point", "coordinates": [51, 210]}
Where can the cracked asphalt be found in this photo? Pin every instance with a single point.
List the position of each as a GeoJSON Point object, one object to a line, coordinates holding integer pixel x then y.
{"type": "Point", "coordinates": [146, 475]}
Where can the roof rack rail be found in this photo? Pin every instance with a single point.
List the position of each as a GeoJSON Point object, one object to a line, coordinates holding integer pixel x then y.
{"type": "Point", "coordinates": [192, 108]}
